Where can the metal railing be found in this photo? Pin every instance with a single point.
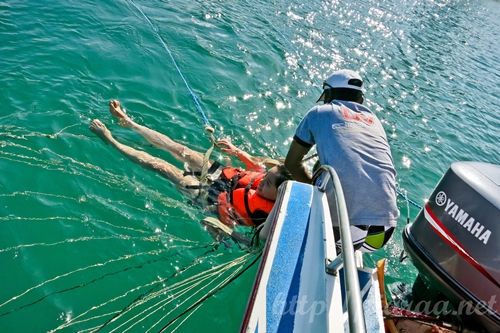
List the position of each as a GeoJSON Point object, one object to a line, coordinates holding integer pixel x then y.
{"type": "Point", "coordinates": [353, 294]}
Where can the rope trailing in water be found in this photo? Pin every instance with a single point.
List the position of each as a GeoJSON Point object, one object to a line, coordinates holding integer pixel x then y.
{"type": "Point", "coordinates": [404, 195]}
{"type": "Point", "coordinates": [210, 294]}
{"type": "Point", "coordinates": [195, 98]}
{"type": "Point", "coordinates": [157, 286]}
{"type": "Point", "coordinates": [408, 200]}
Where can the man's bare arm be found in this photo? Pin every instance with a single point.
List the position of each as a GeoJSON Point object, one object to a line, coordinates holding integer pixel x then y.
{"type": "Point", "coordinates": [293, 162]}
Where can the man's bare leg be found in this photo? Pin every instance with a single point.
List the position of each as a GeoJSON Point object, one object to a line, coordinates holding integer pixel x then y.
{"type": "Point", "coordinates": [164, 168]}
{"type": "Point", "coordinates": [182, 153]}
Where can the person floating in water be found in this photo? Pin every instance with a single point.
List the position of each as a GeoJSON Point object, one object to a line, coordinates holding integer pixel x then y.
{"type": "Point", "coordinates": [239, 196]}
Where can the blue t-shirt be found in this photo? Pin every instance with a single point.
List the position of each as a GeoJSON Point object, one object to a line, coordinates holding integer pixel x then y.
{"type": "Point", "coordinates": [351, 139]}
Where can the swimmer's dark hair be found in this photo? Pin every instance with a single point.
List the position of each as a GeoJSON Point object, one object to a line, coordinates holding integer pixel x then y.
{"type": "Point", "coordinates": [282, 175]}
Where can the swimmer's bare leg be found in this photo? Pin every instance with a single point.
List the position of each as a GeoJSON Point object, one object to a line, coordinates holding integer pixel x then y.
{"type": "Point", "coordinates": [164, 168]}
{"type": "Point", "coordinates": [182, 153]}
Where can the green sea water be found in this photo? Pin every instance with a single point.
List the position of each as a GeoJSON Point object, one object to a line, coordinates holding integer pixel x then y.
{"type": "Point", "coordinates": [90, 241]}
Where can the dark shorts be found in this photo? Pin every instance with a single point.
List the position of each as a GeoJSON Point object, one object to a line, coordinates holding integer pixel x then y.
{"type": "Point", "coordinates": [216, 188]}
{"type": "Point", "coordinates": [214, 184]}
{"type": "Point", "coordinates": [367, 238]}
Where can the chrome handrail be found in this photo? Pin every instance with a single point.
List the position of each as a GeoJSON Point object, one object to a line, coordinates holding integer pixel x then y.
{"type": "Point", "coordinates": [353, 294]}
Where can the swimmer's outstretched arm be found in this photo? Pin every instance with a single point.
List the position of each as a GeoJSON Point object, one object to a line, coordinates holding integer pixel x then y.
{"type": "Point", "coordinates": [164, 168]}
{"type": "Point", "coordinates": [251, 163]}
{"type": "Point", "coordinates": [182, 153]}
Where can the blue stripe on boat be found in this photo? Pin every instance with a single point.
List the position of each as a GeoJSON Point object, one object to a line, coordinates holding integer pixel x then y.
{"type": "Point", "coordinates": [289, 253]}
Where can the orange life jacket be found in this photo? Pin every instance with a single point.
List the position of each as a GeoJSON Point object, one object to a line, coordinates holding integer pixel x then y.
{"type": "Point", "coordinates": [242, 204]}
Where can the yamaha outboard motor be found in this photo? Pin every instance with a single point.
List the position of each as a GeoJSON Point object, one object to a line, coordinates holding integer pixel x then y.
{"type": "Point", "coordinates": [455, 244]}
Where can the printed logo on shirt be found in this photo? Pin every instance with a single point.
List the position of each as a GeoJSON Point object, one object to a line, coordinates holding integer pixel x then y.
{"type": "Point", "coordinates": [352, 116]}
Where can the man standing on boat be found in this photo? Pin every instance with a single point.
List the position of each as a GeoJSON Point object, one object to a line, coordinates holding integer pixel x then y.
{"type": "Point", "coordinates": [350, 138]}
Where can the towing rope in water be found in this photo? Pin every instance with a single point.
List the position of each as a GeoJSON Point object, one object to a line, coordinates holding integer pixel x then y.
{"type": "Point", "coordinates": [208, 128]}
{"type": "Point", "coordinates": [195, 98]}
{"type": "Point", "coordinates": [408, 200]}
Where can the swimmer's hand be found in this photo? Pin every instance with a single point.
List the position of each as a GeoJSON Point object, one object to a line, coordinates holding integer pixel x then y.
{"type": "Point", "coordinates": [226, 146]}
{"type": "Point", "coordinates": [250, 162]}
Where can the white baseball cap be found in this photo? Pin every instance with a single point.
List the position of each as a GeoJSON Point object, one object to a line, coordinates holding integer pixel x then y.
{"type": "Point", "coordinates": [344, 78]}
